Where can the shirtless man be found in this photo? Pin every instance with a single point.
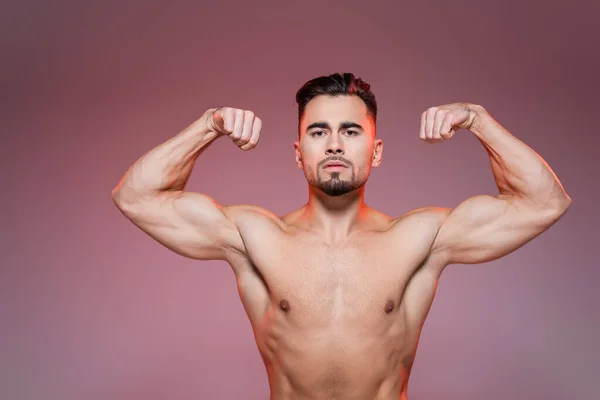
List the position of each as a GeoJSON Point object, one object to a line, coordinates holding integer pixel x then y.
{"type": "Point", "coordinates": [336, 292]}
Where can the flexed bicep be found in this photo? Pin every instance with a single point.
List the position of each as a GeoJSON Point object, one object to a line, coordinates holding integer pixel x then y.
{"type": "Point", "coordinates": [484, 228]}
{"type": "Point", "coordinates": [191, 224]}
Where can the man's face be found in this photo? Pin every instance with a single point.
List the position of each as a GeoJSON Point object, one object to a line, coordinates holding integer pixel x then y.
{"type": "Point", "coordinates": [337, 145]}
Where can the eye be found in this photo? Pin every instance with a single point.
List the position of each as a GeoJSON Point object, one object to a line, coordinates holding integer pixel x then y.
{"type": "Point", "coordinates": [317, 133]}
{"type": "Point", "coordinates": [351, 133]}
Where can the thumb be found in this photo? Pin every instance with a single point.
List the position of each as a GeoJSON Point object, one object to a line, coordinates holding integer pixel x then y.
{"type": "Point", "coordinates": [447, 129]}
{"type": "Point", "coordinates": [215, 119]}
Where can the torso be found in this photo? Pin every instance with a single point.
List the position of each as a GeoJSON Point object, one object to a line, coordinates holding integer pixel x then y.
{"type": "Point", "coordinates": [337, 321]}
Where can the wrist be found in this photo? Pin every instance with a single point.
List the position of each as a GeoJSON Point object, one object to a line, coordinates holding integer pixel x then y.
{"type": "Point", "coordinates": [479, 118]}
{"type": "Point", "coordinates": [204, 127]}
{"type": "Point", "coordinates": [211, 127]}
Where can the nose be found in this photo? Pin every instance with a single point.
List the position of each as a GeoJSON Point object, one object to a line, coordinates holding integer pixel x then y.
{"type": "Point", "coordinates": [334, 146]}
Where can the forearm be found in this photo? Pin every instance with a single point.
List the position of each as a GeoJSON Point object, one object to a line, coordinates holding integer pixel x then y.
{"type": "Point", "coordinates": [518, 170]}
{"type": "Point", "coordinates": [167, 167]}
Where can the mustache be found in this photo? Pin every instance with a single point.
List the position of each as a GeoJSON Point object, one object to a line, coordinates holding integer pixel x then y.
{"type": "Point", "coordinates": [335, 158]}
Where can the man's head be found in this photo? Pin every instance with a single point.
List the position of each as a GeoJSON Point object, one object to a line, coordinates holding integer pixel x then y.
{"type": "Point", "coordinates": [336, 123]}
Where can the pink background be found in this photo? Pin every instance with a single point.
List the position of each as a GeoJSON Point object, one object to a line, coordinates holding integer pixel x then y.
{"type": "Point", "coordinates": [91, 308]}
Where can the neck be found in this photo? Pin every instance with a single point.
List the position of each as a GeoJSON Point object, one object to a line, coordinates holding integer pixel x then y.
{"type": "Point", "coordinates": [335, 217]}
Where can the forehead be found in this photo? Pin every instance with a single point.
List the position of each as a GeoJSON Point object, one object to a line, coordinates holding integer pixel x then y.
{"type": "Point", "coordinates": [335, 109]}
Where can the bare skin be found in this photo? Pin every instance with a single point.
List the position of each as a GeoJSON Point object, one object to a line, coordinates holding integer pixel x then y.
{"type": "Point", "coordinates": [341, 320]}
{"type": "Point", "coordinates": [336, 292]}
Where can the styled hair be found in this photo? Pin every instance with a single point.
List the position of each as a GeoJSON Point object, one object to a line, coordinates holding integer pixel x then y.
{"type": "Point", "coordinates": [344, 84]}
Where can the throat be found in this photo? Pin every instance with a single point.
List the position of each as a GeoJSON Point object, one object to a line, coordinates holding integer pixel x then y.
{"type": "Point", "coordinates": [336, 226]}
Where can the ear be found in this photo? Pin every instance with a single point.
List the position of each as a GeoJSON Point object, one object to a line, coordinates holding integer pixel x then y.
{"type": "Point", "coordinates": [377, 153]}
{"type": "Point", "coordinates": [298, 155]}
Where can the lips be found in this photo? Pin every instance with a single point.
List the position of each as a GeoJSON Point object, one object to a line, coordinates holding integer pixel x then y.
{"type": "Point", "coordinates": [334, 164]}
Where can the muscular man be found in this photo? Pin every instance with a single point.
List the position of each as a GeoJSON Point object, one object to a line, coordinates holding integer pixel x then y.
{"type": "Point", "coordinates": [336, 292]}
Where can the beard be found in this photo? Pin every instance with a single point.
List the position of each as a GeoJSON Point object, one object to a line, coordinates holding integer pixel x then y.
{"type": "Point", "coordinates": [334, 186]}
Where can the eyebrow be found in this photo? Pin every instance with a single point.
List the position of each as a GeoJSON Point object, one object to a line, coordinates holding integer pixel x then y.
{"type": "Point", "coordinates": [325, 125]}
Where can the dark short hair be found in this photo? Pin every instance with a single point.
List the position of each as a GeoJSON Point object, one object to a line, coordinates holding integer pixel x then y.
{"type": "Point", "coordinates": [344, 84]}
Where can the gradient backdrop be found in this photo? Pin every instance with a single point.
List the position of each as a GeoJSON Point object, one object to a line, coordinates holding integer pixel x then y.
{"type": "Point", "coordinates": [92, 309]}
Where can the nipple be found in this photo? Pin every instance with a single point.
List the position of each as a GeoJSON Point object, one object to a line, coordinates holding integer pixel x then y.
{"type": "Point", "coordinates": [389, 306]}
{"type": "Point", "coordinates": [284, 305]}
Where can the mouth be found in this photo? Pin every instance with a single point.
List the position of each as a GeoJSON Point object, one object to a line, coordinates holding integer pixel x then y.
{"type": "Point", "coordinates": [334, 166]}
{"type": "Point", "coordinates": [334, 163]}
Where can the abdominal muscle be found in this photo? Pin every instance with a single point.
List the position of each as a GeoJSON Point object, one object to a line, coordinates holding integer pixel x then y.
{"type": "Point", "coordinates": [335, 361]}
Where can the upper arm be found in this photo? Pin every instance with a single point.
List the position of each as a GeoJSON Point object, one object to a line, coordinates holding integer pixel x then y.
{"type": "Point", "coordinates": [190, 224]}
{"type": "Point", "coordinates": [484, 228]}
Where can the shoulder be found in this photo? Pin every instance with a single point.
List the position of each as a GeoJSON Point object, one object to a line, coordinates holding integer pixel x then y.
{"type": "Point", "coordinates": [248, 209]}
{"type": "Point", "coordinates": [249, 217]}
{"type": "Point", "coordinates": [419, 228]}
{"type": "Point", "coordinates": [427, 217]}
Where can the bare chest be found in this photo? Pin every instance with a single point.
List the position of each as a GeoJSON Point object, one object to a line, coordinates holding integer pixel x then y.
{"type": "Point", "coordinates": [355, 283]}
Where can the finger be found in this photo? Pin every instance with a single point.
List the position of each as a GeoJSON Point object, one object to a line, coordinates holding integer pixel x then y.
{"type": "Point", "coordinates": [247, 126]}
{"type": "Point", "coordinates": [422, 127]}
{"type": "Point", "coordinates": [429, 123]}
{"type": "Point", "coordinates": [215, 120]}
{"type": "Point", "coordinates": [437, 123]}
{"type": "Point", "coordinates": [227, 117]}
{"type": "Point", "coordinates": [446, 131]}
{"type": "Point", "coordinates": [238, 124]}
{"type": "Point", "coordinates": [256, 128]}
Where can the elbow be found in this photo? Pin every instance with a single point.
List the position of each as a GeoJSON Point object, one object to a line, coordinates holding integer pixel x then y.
{"type": "Point", "coordinates": [565, 205]}
{"type": "Point", "coordinates": [127, 208]}
{"type": "Point", "coordinates": [116, 196]}
{"type": "Point", "coordinates": [121, 200]}
{"type": "Point", "coordinates": [125, 194]}
{"type": "Point", "coordinates": [117, 200]}
{"type": "Point", "coordinates": [548, 213]}
{"type": "Point", "coordinates": [562, 203]}
{"type": "Point", "coordinates": [559, 208]}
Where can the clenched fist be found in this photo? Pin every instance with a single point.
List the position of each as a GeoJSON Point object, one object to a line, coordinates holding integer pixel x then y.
{"type": "Point", "coordinates": [440, 123]}
{"type": "Point", "coordinates": [242, 126]}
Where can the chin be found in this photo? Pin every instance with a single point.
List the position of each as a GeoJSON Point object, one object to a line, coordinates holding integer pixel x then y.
{"type": "Point", "coordinates": [338, 188]}
{"type": "Point", "coordinates": [333, 193]}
